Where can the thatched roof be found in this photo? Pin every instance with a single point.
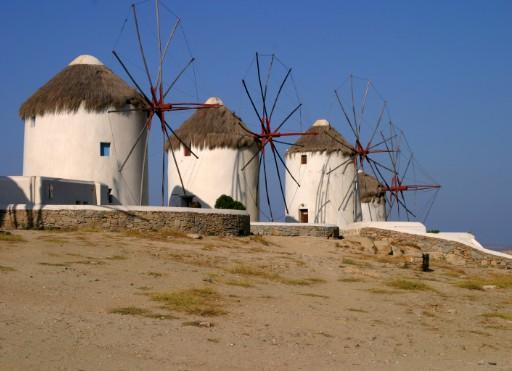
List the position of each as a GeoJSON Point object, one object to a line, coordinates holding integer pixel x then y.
{"type": "Point", "coordinates": [213, 128]}
{"type": "Point", "coordinates": [369, 187]}
{"type": "Point", "coordinates": [323, 141]}
{"type": "Point", "coordinates": [84, 81]}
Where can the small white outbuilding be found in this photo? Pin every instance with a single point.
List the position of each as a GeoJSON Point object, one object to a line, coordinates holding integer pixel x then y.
{"type": "Point", "coordinates": [373, 198]}
{"type": "Point", "coordinates": [216, 136]}
{"type": "Point", "coordinates": [70, 133]}
{"type": "Point", "coordinates": [325, 170]}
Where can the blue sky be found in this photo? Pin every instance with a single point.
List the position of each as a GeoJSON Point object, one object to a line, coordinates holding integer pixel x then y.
{"type": "Point", "coordinates": [445, 68]}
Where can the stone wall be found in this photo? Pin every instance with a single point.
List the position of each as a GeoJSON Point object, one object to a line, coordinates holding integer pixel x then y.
{"type": "Point", "coordinates": [115, 218]}
{"type": "Point", "coordinates": [386, 242]}
{"type": "Point", "coordinates": [295, 229]}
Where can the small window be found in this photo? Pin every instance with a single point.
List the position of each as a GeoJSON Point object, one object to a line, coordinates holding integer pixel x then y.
{"type": "Point", "coordinates": [110, 197]}
{"type": "Point", "coordinates": [186, 151]}
{"type": "Point", "coordinates": [304, 159]}
{"type": "Point", "coordinates": [104, 149]}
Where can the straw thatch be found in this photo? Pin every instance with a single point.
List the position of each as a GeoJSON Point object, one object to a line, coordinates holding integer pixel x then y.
{"type": "Point", "coordinates": [321, 142]}
{"type": "Point", "coordinates": [369, 188]}
{"type": "Point", "coordinates": [94, 86]}
{"type": "Point", "coordinates": [213, 128]}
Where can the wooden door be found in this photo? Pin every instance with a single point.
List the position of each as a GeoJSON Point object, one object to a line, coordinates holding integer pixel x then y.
{"type": "Point", "coordinates": [303, 215]}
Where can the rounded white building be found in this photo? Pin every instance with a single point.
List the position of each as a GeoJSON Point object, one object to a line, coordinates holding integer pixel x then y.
{"type": "Point", "coordinates": [216, 136]}
{"type": "Point", "coordinates": [373, 198]}
{"type": "Point", "coordinates": [70, 133]}
{"type": "Point", "coordinates": [325, 170]}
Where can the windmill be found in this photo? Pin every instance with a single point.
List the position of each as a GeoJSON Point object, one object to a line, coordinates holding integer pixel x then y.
{"type": "Point", "coordinates": [365, 112]}
{"type": "Point", "coordinates": [266, 105]}
{"type": "Point", "coordinates": [409, 178]}
{"type": "Point", "coordinates": [158, 90]}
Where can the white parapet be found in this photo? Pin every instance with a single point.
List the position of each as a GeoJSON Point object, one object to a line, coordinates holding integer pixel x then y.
{"type": "Point", "coordinates": [417, 228]}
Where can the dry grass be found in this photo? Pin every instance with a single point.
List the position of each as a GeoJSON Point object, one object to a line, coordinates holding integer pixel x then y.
{"type": "Point", "coordinates": [312, 295]}
{"type": "Point", "coordinates": [357, 263]}
{"type": "Point", "coordinates": [202, 301]}
{"type": "Point", "coordinates": [247, 270]}
{"type": "Point", "coordinates": [350, 279]}
{"type": "Point", "coordinates": [164, 234]}
{"type": "Point", "coordinates": [302, 281]}
{"type": "Point", "coordinates": [141, 312]}
{"type": "Point", "coordinates": [240, 283]}
{"type": "Point", "coordinates": [505, 316]}
{"type": "Point", "coordinates": [376, 290]}
{"type": "Point", "coordinates": [502, 281]}
{"type": "Point", "coordinates": [9, 237]}
{"type": "Point", "coordinates": [261, 240]}
{"type": "Point", "coordinates": [5, 269]}
{"type": "Point", "coordinates": [357, 310]}
{"type": "Point", "coordinates": [403, 284]}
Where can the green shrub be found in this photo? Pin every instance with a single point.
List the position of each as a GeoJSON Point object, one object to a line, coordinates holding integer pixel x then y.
{"type": "Point", "coordinates": [227, 202]}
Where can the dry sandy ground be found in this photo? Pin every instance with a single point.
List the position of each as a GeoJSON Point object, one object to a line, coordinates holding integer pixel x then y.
{"type": "Point", "coordinates": [97, 301]}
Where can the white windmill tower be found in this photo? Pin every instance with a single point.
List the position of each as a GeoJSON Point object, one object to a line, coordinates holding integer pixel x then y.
{"type": "Point", "coordinates": [223, 147]}
{"type": "Point", "coordinates": [71, 133]}
{"type": "Point", "coordinates": [324, 166]}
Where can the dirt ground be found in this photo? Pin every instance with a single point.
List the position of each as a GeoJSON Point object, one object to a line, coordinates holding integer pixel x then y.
{"type": "Point", "coordinates": [130, 301]}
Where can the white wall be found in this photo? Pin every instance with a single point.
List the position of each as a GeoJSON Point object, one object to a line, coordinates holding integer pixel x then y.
{"type": "Point", "coordinates": [374, 211]}
{"type": "Point", "coordinates": [50, 191]}
{"type": "Point", "coordinates": [67, 146]}
{"type": "Point", "coordinates": [216, 172]}
{"type": "Point", "coordinates": [319, 192]}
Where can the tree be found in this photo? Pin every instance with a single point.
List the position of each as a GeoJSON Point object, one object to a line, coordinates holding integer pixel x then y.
{"type": "Point", "coordinates": [227, 202]}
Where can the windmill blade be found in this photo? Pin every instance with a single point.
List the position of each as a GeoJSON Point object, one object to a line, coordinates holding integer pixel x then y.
{"type": "Point", "coordinates": [354, 106]}
{"type": "Point", "coordinates": [349, 194]}
{"type": "Point", "coordinates": [166, 48]}
{"type": "Point", "coordinates": [269, 72]}
{"type": "Point", "coordinates": [431, 205]}
{"type": "Point", "coordinates": [409, 212]}
{"type": "Point", "coordinates": [163, 171]}
{"type": "Point", "coordinates": [175, 161]}
{"type": "Point", "coordinates": [345, 114]}
{"type": "Point", "coordinates": [252, 101]}
{"type": "Point", "coordinates": [288, 117]}
{"type": "Point", "coordinates": [141, 191]}
{"type": "Point", "coordinates": [145, 127]}
{"type": "Point", "coordinates": [252, 158]}
{"type": "Point", "coordinates": [406, 169]}
{"type": "Point", "coordinates": [263, 98]}
{"type": "Point", "coordinates": [385, 142]}
{"type": "Point", "coordinates": [131, 77]}
{"type": "Point", "coordinates": [279, 92]}
{"type": "Point", "coordinates": [340, 165]}
{"type": "Point", "coordinates": [141, 48]}
{"type": "Point", "coordinates": [378, 123]}
{"type": "Point", "coordinates": [379, 164]}
{"type": "Point", "coordinates": [286, 167]}
{"type": "Point", "coordinates": [266, 186]}
{"type": "Point", "coordinates": [179, 139]}
{"type": "Point", "coordinates": [159, 41]}
{"type": "Point", "coordinates": [365, 96]}
{"type": "Point", "coordinates": [279, 178]}
{"type": "Point", "coordinates": [184, 69]}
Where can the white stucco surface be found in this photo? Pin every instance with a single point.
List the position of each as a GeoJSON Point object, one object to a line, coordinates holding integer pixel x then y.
{"type": "Point", "coordinates": [374, 211]}
{"type": "Point", "coordinates": [43, 190]}
{"type": "Point", "coordinates": [67, 145]}
{"type": "Point", "coordinates": [216, 172]}
{"type": "Point", "coordinates": [319, 192]}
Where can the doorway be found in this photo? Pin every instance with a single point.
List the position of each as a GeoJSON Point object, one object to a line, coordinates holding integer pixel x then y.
{"type": "Point", "coordinates": [303, 215]}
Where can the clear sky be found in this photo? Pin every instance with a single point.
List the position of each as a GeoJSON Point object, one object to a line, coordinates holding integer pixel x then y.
{"type": "Point", "coordinates": [444, 66]}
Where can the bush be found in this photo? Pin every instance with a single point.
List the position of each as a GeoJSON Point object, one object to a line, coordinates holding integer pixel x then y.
{"type": "Point", "coordinates": [227, 202]}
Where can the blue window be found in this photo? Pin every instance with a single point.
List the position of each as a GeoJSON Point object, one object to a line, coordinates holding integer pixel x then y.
{"type": "Point", "coordinates": [104, 149]}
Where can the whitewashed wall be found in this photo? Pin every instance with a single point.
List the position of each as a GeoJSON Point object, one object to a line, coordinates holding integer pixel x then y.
{"type": "Point", "coordinates": [319, 192]}
{"type": "Point", "coordinates": [50, 191]}
{"type": "Point", "coordinates": [216, 172]}
{"type": "Point", "coordinates": [67, 145]}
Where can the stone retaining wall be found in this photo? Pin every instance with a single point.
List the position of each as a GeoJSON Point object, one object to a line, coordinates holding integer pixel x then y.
{"type": "Point", "coordinates": [386, 242]}
{"type": "Point", "coordinates": [115, 218]}
{"type": "Point", "coordinates": [295, 229]}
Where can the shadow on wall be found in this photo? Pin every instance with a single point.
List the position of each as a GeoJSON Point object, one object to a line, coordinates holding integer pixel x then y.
{"type": "Point", "coordinates": [181, 198]}
{"type": "Point", "coordinates": [12, 194]}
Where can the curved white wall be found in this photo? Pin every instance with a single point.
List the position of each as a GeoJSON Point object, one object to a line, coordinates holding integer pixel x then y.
{"type": "Point", "coordinates": [319, 192]}
{"type": "Point", "coordinates": [216, 172]}
{"type": "Point", "coordinates": [374, 211]}
{"type": "Point", "coordinates": [67, 145]}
